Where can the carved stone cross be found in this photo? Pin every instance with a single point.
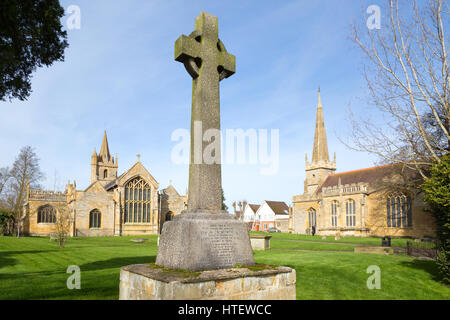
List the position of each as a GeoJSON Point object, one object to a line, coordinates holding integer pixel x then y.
{"type": "Point", "coordinates": [208, 62]}
{"type": "Point", "coordinates": [204, 237]}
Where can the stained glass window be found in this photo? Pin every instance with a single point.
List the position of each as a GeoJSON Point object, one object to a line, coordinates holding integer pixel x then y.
{"type": "Point", "coordinates": [137, 201]}
{"type": "Point", "coordinates": [46, 214]}
{"type": "Point", "coordinates": [350, 217]}
{"type": "Point", "coordinates": [95, 219]}
{"type": "Point", "coordinates": [399, 211]}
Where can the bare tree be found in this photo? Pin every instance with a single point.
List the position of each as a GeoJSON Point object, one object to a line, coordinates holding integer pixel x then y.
{"type": "Point", "coordinates": [4, 178]}
{"type": "Point", "coordinates": [63, 226]}
{"type": "Point", "coordinates": [408, 80]}
{"type": "Point", "coordinates": [25, 170]}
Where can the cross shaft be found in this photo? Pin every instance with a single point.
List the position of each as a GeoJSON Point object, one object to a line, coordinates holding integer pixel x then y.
{"type": "Point", "coordinates": [208, 62]}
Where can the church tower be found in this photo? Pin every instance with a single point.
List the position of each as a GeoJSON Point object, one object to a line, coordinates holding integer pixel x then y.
{"type": "Point", "coordinates": [320, 166]}
{"type": "Point", "coordinates": [103, 165]}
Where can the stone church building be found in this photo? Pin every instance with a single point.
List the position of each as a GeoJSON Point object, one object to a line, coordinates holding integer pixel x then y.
{"type": "Point", "coordinates": [112, 205]}
{"type": "Point", "coordinates": [356, 203]}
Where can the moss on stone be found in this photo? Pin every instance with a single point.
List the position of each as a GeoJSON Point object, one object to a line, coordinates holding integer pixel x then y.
{"type": "Point", "coordinates": [175, 272]}
{"type": "Point", "coordinates": [260, 267]}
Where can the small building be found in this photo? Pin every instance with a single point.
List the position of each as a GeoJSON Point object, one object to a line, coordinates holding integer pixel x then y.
{"type": "Point", "coordinates": [249, 215]}
{"type": "Point", "coordinates": [270, 214]}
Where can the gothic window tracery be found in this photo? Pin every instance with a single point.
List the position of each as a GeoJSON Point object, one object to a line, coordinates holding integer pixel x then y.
{"type": "Point", "coordinates": [334, 206]}
{"type": "Point", "coordinates": [46, 214]}
{"type": "Point", "coordinates": [350, 217]}
{"type": "Point", "coordinates": [399, 210]}
{"type": "Point", "coordinates": [95, 219]}
{"type": "Point", "coordinates": [137, 201]}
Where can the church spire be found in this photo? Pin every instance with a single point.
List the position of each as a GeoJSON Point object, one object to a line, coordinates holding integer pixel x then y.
{"type": "Point", "coordinates": [320, 150]}
{"type": "Point", "coordinates": [104, 151]}
{"type": "Point", "coordinates": [103, 166]}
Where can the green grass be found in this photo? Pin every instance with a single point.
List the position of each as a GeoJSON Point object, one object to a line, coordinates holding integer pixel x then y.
{"type": "Point", "coordinates": [34, 268]}
{"type": "Point", "coordinates": [401, 242]}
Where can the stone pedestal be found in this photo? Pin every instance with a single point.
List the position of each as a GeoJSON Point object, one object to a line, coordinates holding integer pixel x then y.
{"type": "Point", "coordinates": [150, 282]}
{"type": "Point", "coordinates": [204, 241]}
{"type": "Point", "coordinates": [260, 242]}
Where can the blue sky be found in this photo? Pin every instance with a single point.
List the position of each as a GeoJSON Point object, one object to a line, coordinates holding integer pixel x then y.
{"type": "Point", "coordinates": [119, 75]}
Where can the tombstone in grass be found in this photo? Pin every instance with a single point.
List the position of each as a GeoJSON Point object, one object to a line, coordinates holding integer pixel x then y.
{"type": "Point", "coordinates": [211, 247]}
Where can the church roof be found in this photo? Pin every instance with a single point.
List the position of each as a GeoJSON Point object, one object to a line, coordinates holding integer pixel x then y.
{"type": "Point", "coordinates": [139, 168]}
{"type": "Point", "coordinates": [278, 207]}
{"type": "Point", "coordinates": [320, 149]}
{"type": "Point", "coordinates": [171, 189]}
{"type": "Point", "coordinates": [371, 176]}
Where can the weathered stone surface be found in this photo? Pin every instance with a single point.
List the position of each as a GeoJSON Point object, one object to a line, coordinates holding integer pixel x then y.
{"type": "Point", "coordinates": [203, 241]}
{"type": "Point", "coordinates": [208, 62]}
{"type": "Point", "coordinates": [260, 242]}
{"type": "Point", "coordinates": [143, 282]}
{"type": "Point", "coordinates": [374, 250]}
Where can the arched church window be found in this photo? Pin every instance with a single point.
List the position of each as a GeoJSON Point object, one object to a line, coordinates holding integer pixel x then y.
{"type": "Point", "coordinates": [137, 201]}
{"type": "Point", "coordinates": [334, 206]}
{"type": "Point", "coordinates": [399, 210]}
{"type": "Point", "coordinates": [46, 214]}
{"type": "Point", "coordinates": [95, 219]}
{"type": "Point", "coordinates": [350, 217]}
{"type": "Point", "coordinates": [105, 174]}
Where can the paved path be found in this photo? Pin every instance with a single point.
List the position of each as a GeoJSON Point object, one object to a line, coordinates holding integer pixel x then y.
{"type": "Point", "coordinates": [327, 242]}
{"type": "Point", "coordinates": [396, 249]}
{"type": "Point", "coordinates": [308, 250]}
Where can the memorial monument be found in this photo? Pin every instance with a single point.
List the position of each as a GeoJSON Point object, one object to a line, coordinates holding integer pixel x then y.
{"type": "Point", "coordinates": [204, 237]}
{"type": "Point", "coordinates": [204, 253]}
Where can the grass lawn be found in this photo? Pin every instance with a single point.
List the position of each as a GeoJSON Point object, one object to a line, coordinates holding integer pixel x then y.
{"type": "Point", "coordinates": [35, 268]}
{"type": "Point", "coordinates": [354, 240]}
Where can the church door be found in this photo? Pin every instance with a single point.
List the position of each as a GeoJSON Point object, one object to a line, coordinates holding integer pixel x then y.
{"type": "Point", "coordinates": [312, 220]}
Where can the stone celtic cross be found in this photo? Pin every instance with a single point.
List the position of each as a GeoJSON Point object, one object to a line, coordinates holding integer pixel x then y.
{"type": "Point", "coordinates": [208, 62]}
{"type": "Point", "coordinates": [204, 237]}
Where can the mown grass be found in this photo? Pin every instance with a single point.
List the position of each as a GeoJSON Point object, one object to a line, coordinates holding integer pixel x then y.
{"type": "Point", "coordinates": [400, 242]}
{"type": "Point", "coordinates": [35, 268]}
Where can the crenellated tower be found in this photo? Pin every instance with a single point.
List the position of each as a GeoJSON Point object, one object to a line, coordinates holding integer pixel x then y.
{"type": "Point", "coordinates": [103, 165]}
{"type": "Point", "coordinates": [320, 166]}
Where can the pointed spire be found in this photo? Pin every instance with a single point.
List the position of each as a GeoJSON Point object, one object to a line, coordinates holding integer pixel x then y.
{"type": "Point", "coordinates": [94, 157]}
{"type": "Point", "coordinates": [320, 150]}
{"type": "Point", "coordinates": [104, 151]}
{"type": "Point", "coordinates": [319, 105]}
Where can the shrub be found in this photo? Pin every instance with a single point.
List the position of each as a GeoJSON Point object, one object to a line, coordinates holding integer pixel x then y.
{"type": "Point", "coordinates": [437, 196]}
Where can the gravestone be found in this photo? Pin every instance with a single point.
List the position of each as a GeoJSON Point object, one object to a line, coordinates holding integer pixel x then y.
{"type": "Point", "coordinates": [204, 237]}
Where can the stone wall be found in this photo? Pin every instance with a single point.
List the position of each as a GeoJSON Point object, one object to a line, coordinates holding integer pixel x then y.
{"type": "Point", "coordinates": [371, 217]}
{"type": "Point", "coordinates": [88, 201]}
{"type": "Point", "coordinates": [38, 199]}
{"type": "Point", "coordinates": [423, 224]}
{"type": "Point", "coordinates": [141, 282]}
